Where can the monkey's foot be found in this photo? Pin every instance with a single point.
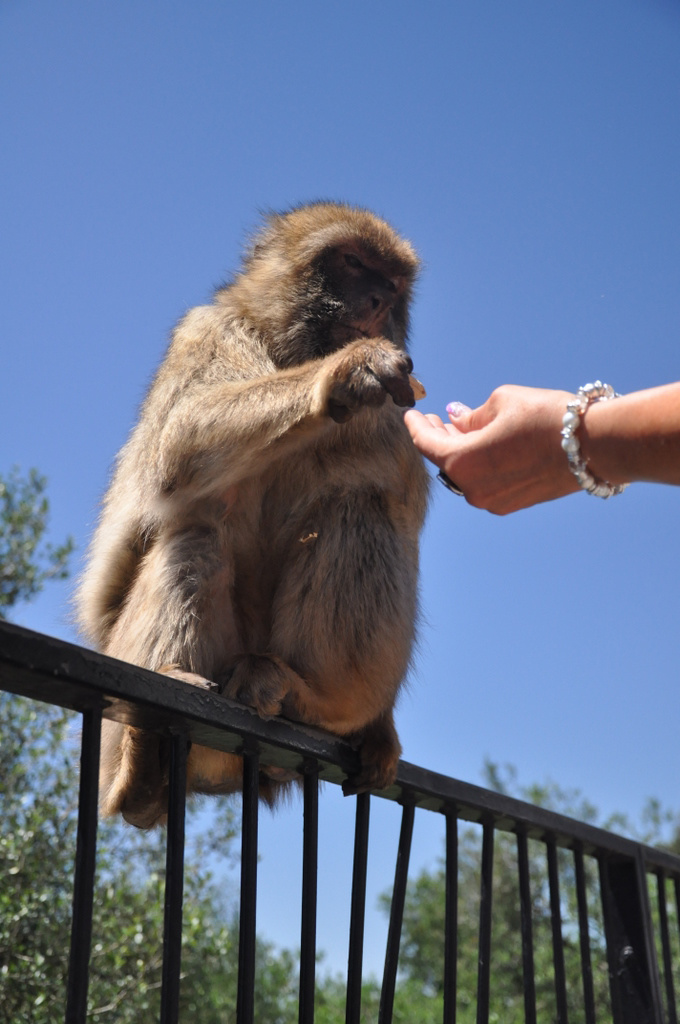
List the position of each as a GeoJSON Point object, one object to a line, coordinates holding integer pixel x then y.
{"type": "Point", "coordinates": [263, 682]}
{"type": "Point", "coordinates": [144, 812]}
{"type": "Point", "coordinates": [139, 789]}
{"type": "Point", "coordinates": [379, 753]}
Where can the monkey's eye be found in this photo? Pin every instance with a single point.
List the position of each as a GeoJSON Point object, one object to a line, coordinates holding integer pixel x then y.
{"type": "Point", "coordinates": [353, 261]}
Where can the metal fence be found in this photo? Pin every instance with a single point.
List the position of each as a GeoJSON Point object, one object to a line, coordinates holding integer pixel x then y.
{"type": "Point", "coordinates": [640, 934]}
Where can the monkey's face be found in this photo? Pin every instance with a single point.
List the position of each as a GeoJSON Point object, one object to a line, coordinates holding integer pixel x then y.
{"type": "Point", "coordinates": [322, 276]}
{"type": "Point", "coordinates": [367, 297]}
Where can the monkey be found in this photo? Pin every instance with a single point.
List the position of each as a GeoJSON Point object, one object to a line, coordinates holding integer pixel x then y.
{"type": "Point", "coordinates": [260, 532]}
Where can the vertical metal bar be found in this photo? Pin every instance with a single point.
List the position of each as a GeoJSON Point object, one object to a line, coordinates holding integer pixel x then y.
{"type": "Point", "coordinates": [83, 882]}
{"type": "Point", "coordinates": [358, 912]}
{"type": "Point", "coordinates": [584, 936]}
{"type": "Point", "coordinates": [451, 919]}
{"type": "Point", "coordinates": [648, 942]}
{"type": "Point", "coordinates": [557, 941]}
{"type": "Point", "coordinates": [485, 908]}
{"type": "Point", "coordinates": [633, 973]}
{"type": "Point", "coordinates": [174, 880]}
{"type": "Point", "coordinates": [666, 949]}
{"type": "Point", "coordinates": [676, 890]}
{"type": "Point", "coordinates": [527, 928]}
{"type": "Point", "coordinates": [615, 941]}
{"type": "Point", "coordinates": [310, 847]}
{"type": "Point", "coordinates": [396, 915]}
{"type": "Point", "coordinates": [245, 998]}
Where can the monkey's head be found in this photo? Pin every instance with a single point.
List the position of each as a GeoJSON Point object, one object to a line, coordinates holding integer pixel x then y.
{"type": "Point", "coordinates": [321, 276]}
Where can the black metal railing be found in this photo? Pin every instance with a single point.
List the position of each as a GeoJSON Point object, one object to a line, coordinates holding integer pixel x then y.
{"type": "Point", "coordinates": [639, 940]}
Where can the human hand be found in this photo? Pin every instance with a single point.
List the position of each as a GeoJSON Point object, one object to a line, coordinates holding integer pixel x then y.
{"type": "Point", "coordinates": [506, 454]}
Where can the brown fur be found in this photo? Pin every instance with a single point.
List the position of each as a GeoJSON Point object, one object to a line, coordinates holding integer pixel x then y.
{"type": "Point", "coordinates": [261, 529]}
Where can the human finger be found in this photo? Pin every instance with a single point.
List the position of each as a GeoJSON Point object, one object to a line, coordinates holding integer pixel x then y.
{"type": "Point", "coordinates": [435, 420]}
{"type": "Point", "coordinates": [431, 437]}
{"type": "Point", "coordinates": [459, 415]}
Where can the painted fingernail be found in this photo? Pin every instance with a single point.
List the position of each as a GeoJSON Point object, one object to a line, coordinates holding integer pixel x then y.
{"type": "Point", "coordinates": [456, 409]}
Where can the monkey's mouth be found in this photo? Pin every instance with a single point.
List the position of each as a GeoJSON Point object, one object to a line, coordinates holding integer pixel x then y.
{"type": "Point", "coordinates": [379, 329]}
{"type": "Point", "coordinates": [339, 335]}
{"type": "Point", "coordinates": [352, 332]}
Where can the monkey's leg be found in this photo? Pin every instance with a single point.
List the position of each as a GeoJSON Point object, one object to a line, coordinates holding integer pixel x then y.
{"type": "Point", "coordinates": [342, 633]}
{"type": "Point", "coordinates": [177, 620]}
{"type": "Point", "coordinates": [135, 765]}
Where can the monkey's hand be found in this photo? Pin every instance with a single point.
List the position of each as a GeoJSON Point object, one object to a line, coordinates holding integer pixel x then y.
{"type": "Point", "coordinates": [379, 751]}
{"type": "Point", "coordinates": [365, 373]}
{"type": "Point", "coordinates": [190, 677]}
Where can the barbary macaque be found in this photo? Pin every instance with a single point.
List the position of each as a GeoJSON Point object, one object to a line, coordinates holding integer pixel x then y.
{"type": "Point", "coordinates": [260, 534]}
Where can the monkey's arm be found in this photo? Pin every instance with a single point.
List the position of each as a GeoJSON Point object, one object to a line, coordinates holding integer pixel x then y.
{"type": "Point", "coordinates": [220, 432]}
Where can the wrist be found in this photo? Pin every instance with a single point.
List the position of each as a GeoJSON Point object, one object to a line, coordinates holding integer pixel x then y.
{"type": "Point", "coordinates": [605, 443]}
{"type": "Point", "coordinates": [573, 423]}
{"type": "Point", "coordinates": [636, 437]}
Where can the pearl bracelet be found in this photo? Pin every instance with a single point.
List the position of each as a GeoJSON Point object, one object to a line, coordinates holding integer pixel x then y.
{"type": "Point", "coordinates": [589, 393]}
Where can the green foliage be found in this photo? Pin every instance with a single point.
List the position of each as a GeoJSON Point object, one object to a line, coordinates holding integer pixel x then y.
{"type": "Point", "coordinates": [35, 859]}
{"type": "Point", "coordinates": [25, 565]}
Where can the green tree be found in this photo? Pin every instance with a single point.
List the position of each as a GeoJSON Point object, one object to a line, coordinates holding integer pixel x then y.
{"type": "Point", "coordinates": [26, 563]}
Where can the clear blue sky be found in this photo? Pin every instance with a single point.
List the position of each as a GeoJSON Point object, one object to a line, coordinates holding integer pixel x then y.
{"type": "Point", "coordinates": [531, 152]}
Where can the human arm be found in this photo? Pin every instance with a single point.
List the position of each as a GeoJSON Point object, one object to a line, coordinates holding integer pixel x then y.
{"type": "Point", "coordinates": [506, 454]}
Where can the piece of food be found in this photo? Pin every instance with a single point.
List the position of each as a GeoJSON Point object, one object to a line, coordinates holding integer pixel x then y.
{"type": "Point", "coordinates": [417, 388]}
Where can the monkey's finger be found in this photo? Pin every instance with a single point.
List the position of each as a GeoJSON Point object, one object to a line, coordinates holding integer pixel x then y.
{"type": "Point", "coordinates": [400, 389]}
{"type": "Point", "coordinates": [371, 778]}
{"type": "Point", "coordinates": [349, 788]}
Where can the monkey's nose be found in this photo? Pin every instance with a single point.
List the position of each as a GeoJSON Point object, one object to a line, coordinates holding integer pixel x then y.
{"type": "Point", "coordinates": [381, 300]}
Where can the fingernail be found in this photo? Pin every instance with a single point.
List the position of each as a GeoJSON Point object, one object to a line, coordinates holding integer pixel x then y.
{"type": "Point", "coordinates": [456, 409]}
